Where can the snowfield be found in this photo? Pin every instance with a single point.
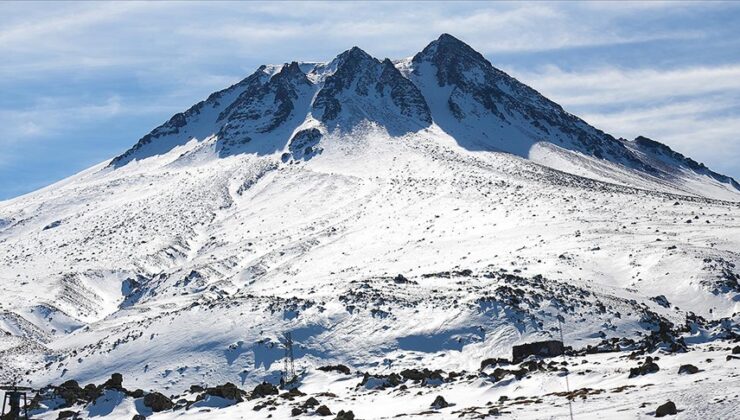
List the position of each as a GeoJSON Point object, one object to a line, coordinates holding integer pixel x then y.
{"type": "Point", "coordinates": [370, 209]}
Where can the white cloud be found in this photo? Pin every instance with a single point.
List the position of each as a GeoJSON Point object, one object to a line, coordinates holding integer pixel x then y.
{"type": "Point", "coordinates": [615, 85]}
{"type": "Point", "coordinates": [694, 110]}
{"type": "Point", "coordinates": [169, 55]}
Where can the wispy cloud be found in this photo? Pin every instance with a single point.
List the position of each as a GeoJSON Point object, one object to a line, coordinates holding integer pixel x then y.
{"type": "Point", "coordinates": [619, 85]}
{"type": "Point", "coordinates": [695, 110]}
{"type": "Point", "coordinates": [81, 74]}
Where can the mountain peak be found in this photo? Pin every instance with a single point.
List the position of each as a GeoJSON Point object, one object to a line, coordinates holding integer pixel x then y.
{"type": "Point", "coordinates": [447, 49]}
{"type": "Point", "coordinates": [446, 38]}
{"type": "Point", "coordinates": [354, 54]}
{"type": "Point", "coordinates": [290, 72]}
{"type": "Point", "coordinates": [448, 84]}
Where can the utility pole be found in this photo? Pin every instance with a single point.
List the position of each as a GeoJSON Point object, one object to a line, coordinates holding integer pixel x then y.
{"type": "Point", "coordinates": [567, 383]}
{"type": "Point", "coordinates": [289, 362]}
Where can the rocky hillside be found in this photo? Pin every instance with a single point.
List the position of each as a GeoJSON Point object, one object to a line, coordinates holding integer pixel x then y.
{"type": "Point", "coordinates": [408, 222]}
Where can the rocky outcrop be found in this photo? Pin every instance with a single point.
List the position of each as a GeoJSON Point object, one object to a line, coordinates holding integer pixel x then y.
{"type": "Point", "coordinates": [649, 366]}
{"type": "Point", "coordinates": [158, 402]}
{"type": "Point", "coordinates": [667, 409]}
{"type": "Point", "coordinates": [363, 88]}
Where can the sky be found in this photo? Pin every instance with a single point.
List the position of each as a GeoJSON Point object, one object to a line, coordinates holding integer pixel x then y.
{"type": "Point", "coordinates": [82, 82]}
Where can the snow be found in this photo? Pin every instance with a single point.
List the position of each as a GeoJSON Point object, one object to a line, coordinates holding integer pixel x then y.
{"type": "Point", "coordinates": [185, 265]}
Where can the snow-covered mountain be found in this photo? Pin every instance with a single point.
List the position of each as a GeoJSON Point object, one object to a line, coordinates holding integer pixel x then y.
{"type": "Point", "coordinates": [428, 212]}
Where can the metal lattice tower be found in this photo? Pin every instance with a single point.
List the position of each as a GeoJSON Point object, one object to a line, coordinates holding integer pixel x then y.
{"type": "Point", "coordinates": [15, 401]}
{"type": "Point", "coordinates": [289, 362]}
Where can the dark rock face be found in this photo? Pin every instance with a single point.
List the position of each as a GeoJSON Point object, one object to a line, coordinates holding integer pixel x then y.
{"type": "Point", "coordinates": [304, 144]}
{"type": "Point", "coordinates": [649, 366]}
{"type": "Point", "coordinates": [262, 108]}
{"type": "Point", "coordinates": [667, 409]}
{"type": "Point", "coordinates": [439, 402]}
{"type": "Point", "coordinates": [364, 78]}
{"type": "Point", "coordinates": [549, 348]}
{"type": "Point", "coordinates": [158, 402]}
{"type": "Point", "coordinates": [688, 369]}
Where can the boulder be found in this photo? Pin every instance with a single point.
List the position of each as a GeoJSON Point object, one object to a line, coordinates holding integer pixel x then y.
{"type": "Point", "coordinates": [400, 279]}
{"type": "Point", "coordinates": [138, 393]}
{"type": "Point", "coordinates": [647, 367]}
{"type": "Point", "coordinates": [439, 402]}
{"type": "Point", "coordinates": [323, 411]}
{"type": "Point", "coordinates": [292, 394]}
{"type": "Point", "coordinates": [380, 381]}
{"type": "Point", "coordinates": [227, 391]}
{"type": "Point", "coordinates": [736, 350]}
{"type": "Point", "coordinates": [115, 382]}
{"type": "Point", "coordinates": [157, 402]}
{"type": "Point", "coordinates": [688, 369]}
{"type": "Point", "coordinates": [493, 362]}
{"type": "Point", "coordinates": [421, 375]}
{"type": "Point", "coordinates": [138, 417]}
{"type": "Point", "coordinates": [264, 389]}
{"type": "Point", "coordinates": [70, 392]}
{"type": "Point", "coordinates": [667, 409]}
{"type": "Point", "coordinates": [296, 411]}
{"type": "Point", "coordinates": [345, 415]}
{"type": "Point", "coordinates": [92, 392]}
{"type": "Point", "coordinates": [67, 414]}
{"type": "Point", "coordinates": [311, 402]}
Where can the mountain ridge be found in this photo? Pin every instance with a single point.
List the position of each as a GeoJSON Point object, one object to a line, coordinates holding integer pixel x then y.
{"type": "Point", "coordinates": [485, 109]}
{"type": "Point", "coordinates": [392, 235]}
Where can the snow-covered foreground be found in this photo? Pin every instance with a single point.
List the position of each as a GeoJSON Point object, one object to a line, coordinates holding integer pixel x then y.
{"type": "Point", "coordinates": [367, 209]}
{"type": "Point", "coordinates": [491, 249]}
{"type": "Point", "coordinates": [600, 388]}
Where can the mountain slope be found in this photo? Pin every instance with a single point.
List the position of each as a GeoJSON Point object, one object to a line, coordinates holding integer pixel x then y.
{"type": "Point", "coordinates": [448, 85]}
{"type": "Point", "coordinates": [365, 208]}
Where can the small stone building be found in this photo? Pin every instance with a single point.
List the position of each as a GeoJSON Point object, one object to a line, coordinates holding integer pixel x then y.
{"type": "Point", "coordinates": [550, 348]}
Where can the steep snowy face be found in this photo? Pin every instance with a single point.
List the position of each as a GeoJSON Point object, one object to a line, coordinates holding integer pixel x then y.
{"type": "Point", "coordinates": [484, 108]}
{"type": "Point", "coordinates": [666, 159]}
{"type": "Point", "coordinates": [198, 122]}
{"type": "Point", "coordinates": [363, 88]}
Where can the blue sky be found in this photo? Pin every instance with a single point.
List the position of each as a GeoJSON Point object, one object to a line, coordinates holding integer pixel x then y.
{"type": "Point", "coordinates": [82, 82]}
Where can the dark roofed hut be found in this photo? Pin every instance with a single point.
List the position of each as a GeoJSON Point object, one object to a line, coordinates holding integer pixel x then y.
{"type": "Point", "coordinates": [550, 348]}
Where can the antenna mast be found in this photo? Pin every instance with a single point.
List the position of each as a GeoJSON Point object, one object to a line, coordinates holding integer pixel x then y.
{"type": "Point", "coordinates": [289, 362]}
{"type": "Point", "coordinates": [567, 383]}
